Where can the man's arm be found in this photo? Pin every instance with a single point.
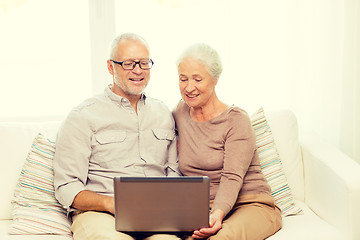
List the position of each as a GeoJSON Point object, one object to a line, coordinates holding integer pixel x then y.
{"type": "Point", "coordinates": [173, 163]}
{"type": "Point", "coordinates": [90, 201]}
{"type": "Point", "coordinates": [71, 159]}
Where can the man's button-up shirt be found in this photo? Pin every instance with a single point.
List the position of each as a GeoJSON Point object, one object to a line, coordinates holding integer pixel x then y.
{"type": "Point", "coordinates": [104, 137]}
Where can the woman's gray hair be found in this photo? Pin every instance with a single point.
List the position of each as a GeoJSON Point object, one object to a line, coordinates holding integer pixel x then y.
{"type": "Point", "coordinates": [207, 55]}
{"type": "Point", "coordinates": [126, 36]}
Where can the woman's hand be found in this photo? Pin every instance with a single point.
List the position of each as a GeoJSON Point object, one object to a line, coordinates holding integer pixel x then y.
{"type": "Point", "coordinates": [215, 223]}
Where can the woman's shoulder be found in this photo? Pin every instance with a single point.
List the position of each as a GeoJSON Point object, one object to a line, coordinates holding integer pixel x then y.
{"type": "Point", "coordinates": [180, 108]}
{"type": "Point", "coordinates": [238, 118]}
{"type": "Point", "coordinates": [238, 113]}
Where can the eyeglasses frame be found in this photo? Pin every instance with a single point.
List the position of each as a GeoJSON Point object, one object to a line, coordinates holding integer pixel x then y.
{"type": "Point", "coordinates": [135, 62]}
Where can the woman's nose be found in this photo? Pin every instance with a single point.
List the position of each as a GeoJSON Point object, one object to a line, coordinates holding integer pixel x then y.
{"type": "Point", "coordinates": [190, 86]}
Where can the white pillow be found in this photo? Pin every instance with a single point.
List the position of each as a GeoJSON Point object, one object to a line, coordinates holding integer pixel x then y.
{"type": "Point", "coordinates": [271, 165]}
{"type": "Point", "coordinates": [284, 129]}
{"type": "Point", "coordinates": [36, 210]}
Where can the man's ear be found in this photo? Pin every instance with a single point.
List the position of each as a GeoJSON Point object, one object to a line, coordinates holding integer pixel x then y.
{"type": "Point", "coordinates": [110, 67]}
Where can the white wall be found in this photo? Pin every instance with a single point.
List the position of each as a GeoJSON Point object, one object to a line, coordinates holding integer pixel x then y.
{"type": "Point", "coordinates": [350, 107]}
{"type": "Point", "coordinates": [44, 56]}
{"type": "Point", "coordinates": [302, 55]}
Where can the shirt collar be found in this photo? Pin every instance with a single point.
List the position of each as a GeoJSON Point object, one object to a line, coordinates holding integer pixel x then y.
{"type": "Point", "coordinates": [119, 99]}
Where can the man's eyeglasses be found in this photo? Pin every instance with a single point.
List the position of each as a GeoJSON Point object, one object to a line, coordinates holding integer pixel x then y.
{"type": "Point", "coordinates": [130, 64]}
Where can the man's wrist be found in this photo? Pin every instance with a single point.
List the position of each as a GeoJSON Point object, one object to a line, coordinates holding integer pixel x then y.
{"type": "Point", "coordinates": [109, 204]}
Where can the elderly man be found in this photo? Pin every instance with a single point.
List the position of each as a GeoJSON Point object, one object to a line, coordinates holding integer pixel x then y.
{"type": "Point", "coordinates": [121, 132]}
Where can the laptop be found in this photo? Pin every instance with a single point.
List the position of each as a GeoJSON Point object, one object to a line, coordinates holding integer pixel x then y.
{"type": "Point", "coordinates": [161, 204]}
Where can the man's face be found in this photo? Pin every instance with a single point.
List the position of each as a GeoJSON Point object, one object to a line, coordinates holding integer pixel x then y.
{"type": "Point", "coordinates": [129, 83]}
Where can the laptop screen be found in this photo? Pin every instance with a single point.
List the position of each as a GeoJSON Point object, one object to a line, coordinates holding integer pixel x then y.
{"type": "Point", "coordinates": [161, 204]}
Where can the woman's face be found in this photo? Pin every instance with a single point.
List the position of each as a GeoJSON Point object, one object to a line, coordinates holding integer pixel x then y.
{"type": "Point", "coordinates": [197, 87]}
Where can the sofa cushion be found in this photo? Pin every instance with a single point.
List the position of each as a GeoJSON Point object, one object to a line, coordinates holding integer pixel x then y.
{"type": "Point", "coordinates": [271, 165]}
{"type": "Point", "coordinates": [15, 141]}
{"type": "Point", "coordinates": [284, 129]}
{"type": "Point", "coordinates": [5, 224]}
{"type": "Point", "coordinates": [306, 226]}
{"type": "Point", "coordinates": [36, 210]}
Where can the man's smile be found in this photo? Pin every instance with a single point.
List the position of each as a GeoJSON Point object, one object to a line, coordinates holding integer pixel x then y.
{"type": "Point", "coordinates": [136, 79]}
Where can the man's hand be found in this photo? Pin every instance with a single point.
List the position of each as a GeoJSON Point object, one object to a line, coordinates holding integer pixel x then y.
{"type": "Point", "coordinates": [215, 223]}
{"type": "Point", "coordinates": [91, 201]}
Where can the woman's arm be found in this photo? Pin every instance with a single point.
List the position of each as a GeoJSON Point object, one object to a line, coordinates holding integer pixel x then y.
{"type": "Point", "coordinates": [239, 149]}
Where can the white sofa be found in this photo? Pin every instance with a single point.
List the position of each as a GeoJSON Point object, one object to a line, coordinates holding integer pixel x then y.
{"type": "Point", "coordinates": [324, 181]}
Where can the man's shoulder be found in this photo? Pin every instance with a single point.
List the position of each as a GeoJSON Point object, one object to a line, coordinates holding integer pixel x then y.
{"type": "Point", "coordinates": [83, 111]}
{"type": "Point", "coordinates": [156, 104]}
{"type": "Point", "coordinates": [89, 102]}
{"type": "Point", "coordinates": [159, 113]}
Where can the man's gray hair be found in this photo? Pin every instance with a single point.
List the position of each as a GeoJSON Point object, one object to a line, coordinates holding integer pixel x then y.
{"type": "Point", "coordinates": [125, 36]}
{"type": "Point", "coordinates": [207, 55]}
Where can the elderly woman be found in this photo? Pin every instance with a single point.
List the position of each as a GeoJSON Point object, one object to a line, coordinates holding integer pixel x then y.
{"type": "Point", "coordinates": [218, 141]}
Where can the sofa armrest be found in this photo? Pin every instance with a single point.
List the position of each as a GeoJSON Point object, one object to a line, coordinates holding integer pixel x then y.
{"type": "Point", "coordinates": [332, 185]}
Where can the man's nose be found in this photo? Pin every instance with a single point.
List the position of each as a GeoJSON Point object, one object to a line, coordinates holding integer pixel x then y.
{"type": "Point", "coordinates": [137, 68]}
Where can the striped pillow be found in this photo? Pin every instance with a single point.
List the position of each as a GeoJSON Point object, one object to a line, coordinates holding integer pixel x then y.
{"type": "Point", "coordinates": [271, 165]}
{"type": "Point", "coordinates": [36, 211]}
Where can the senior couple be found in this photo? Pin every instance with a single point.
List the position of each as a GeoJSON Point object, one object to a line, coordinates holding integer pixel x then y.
{"type": "Point", "coordinates": [114, 134]}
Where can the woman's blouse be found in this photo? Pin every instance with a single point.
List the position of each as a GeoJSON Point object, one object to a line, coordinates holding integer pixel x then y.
{"type": "Point", "coordinates": [224, 150]}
